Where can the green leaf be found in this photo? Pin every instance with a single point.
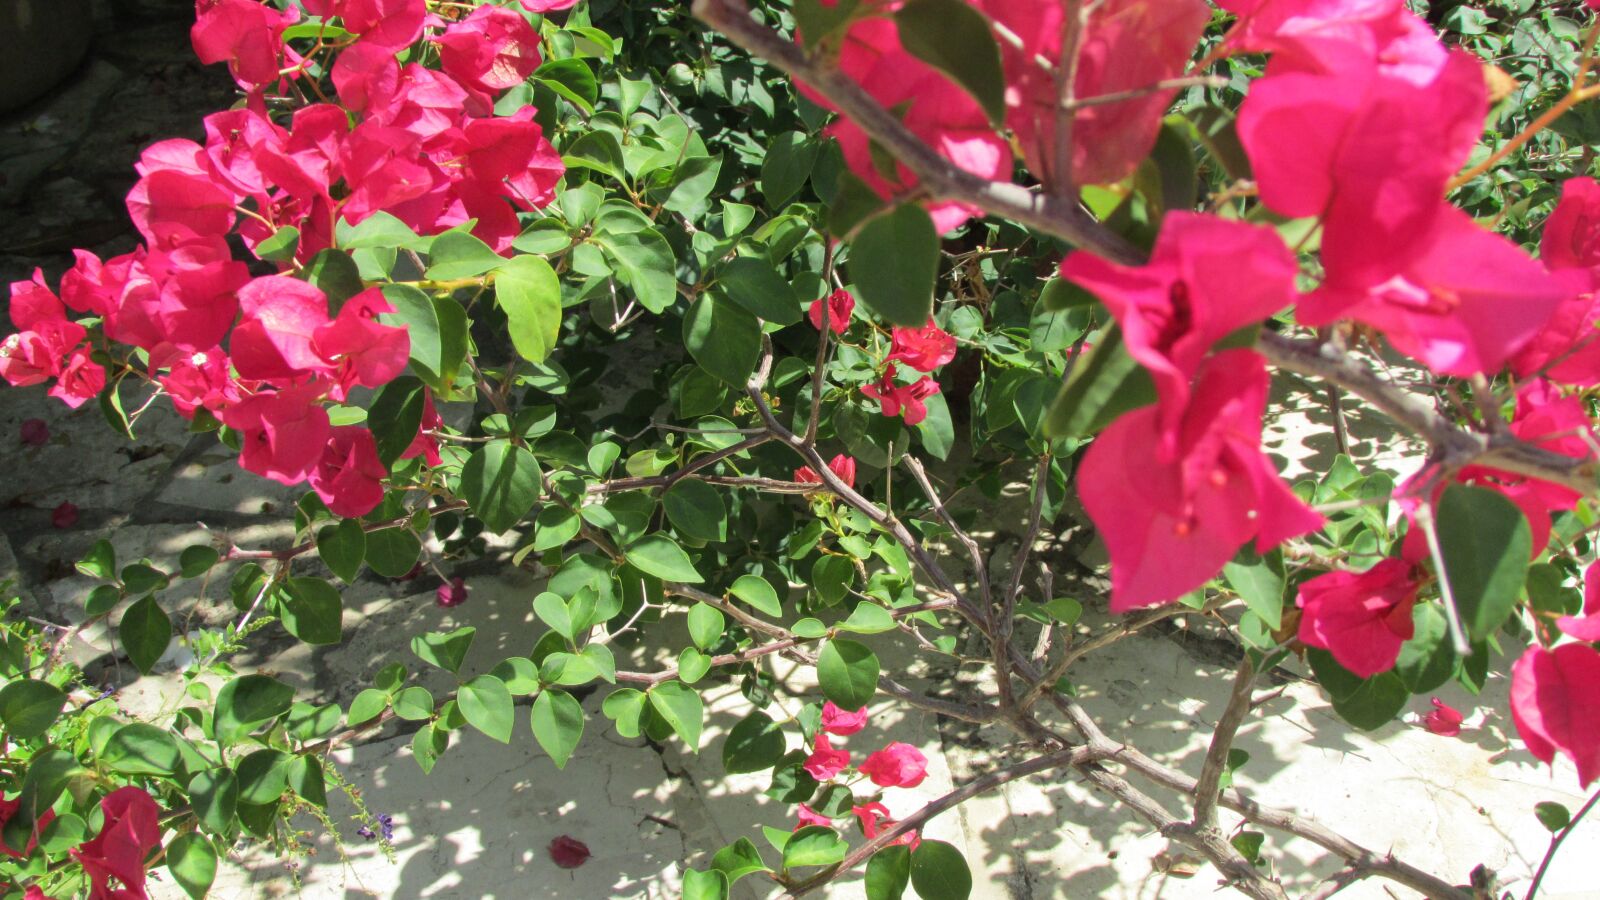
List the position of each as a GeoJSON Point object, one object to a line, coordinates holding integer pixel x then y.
{"type": "Point", "coordinates": [380, 230]}
{"type": "Point", "coordinates": [281, 247]}
{"type": "Point", "coordinates": [309, 722]}
{"type": "Point", "coordinates": [306, 779]}
{"type": "Point", "coordinates": [755, 285]}
{"type": "Point", "coordinates": [392, 552]}
{"type": "Point", "coordinates": [692, 665]}
{"type": "Point", "coordinates": [625, 707]}
{"type": "Point", "coordinates": [557, 725]}
{"type": "Point", "coordinates": [112, 409]}
{"type": "Point", "coordinates": [215, 796]}
{"type": "Point", "coordinates": [597, 150]}
{"type": "Point", "coordinates": [831, 577]}
{"type": "Point", "coordinates": [758, 593]}
{"type": "Point", "coordinates": [696, 509]}
{"type": "Point", "coordinates": [144, 632]}
{"type": "Point", "coordinates": [888, 873]}
{"type": "Point", "coordinates": [414, 704]}
{"type": "Point", "coordinates": [939, 872]}
{"type": "Point", "coordinates": [572, 79]}
{"type": "Point", "coordinates": [646, 264]}
{"type": "Point", "coordinates": [1367, 703]}
{"type": "Point", "coordinates": [659, 555]}
{"type": "Point", "coordinates": [954, 38]}
{"type": "Point", "coordinates": [1166, 178]}
{"type": "Point", "coordinates": [501, 481]}
{"type": "Point", "coordinates": [530, 293]}
{"type": "Point", "coordinates": [141, 749]}
{"type": "Point", "coordinates": [101, 561]}
{"type": "Point", "coordinates": [1065, 610]}
{"type": "Point", "coordinates": [1059, 294]}
{"type": "Point", "coordinates": [682, 708]}
{"type": "Point", "coordinates": [486, 703]}
{"type": "Point", "coordinates": [753, 745]}
{"type": "Point", "coordinates": [848, 673]}
{"type": "Point", "coordinates": [554, 527]}
{"type": "Point", "coordinates": [1104, 385]}
{"type": "Point", "coordinates": [710, 885]}
{"type": "Point", "coordinates": [427, 745]}
{"type": "Point", "coordinates": [28, 707]}
{"type": "Point", "coordinates": [553, 611]}
{"type": "Point", "coordinates": [342, 547]}
{"type": "Point", "coordinates": [437, 329]}
{"type": "Point", "coordinates": [312, 611]}
{"type": "Point", "coordinates": [263, 776]}
{"type": "Point", "coordinates": [1553, 816]}
{"type": "Point", "coordinates": [138, 578]}
{"type": "Point", "coordinates": [368, 705]}
{"type": "Point", "coordinates": [197, 560]}
{"type": "Point", "coordinates": [937, 431]}
{"type": "Point", "coordinates": [520, 675]}
{"type": "Point", "coordinates": [809, 628]}
{"type": "Point", "coordinates": [739, 859]}
{"type": "Point", "coordinates": [1259, 580]}
{"type": "Point", "coordinates": [814, 845]}
{"type": "Point", "coordinates": [334, 273]}
{"type": "Point", "coordinates": [445, 649]}
{"type": "Point", "coordinates": [705, 625]}
{"type": "Point", "coordinates": [193, 863]}
{"type": "Point", "coordinates": [1485, 542]}
{"type": "Point", "coordinates": [723, 338]}
{"type": "Point", "coordinates": [868, 618]}
{"type": "Point", "coordinates": [790, 158]}
{"type": "Point", "coordinates": [245, 703]}
{"type": "Point", "coordinates": [1428, 659]}
{"type": "Point", "coordinates": [894, 262]}
{"type": "Point", "coordinates": [457, 255]}
{"type": "Point", "coordinates": [48, 773]}
{"type": "Point", "coordinates": [102, 600]}
{"type": "Point", "coordinates": [395, 416]}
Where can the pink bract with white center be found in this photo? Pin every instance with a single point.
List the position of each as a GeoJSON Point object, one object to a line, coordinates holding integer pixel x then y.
{"type": "Point", "coordinates": [1361, 618]}
{"type": "Point", "coordinates": [825, 763]}
{"type": "Point", "coordinates": [1206, 278]}
{"type": "Point", "coordinates": [924, 349]}
{"type": "Point", "coordinates": [1170, 520]}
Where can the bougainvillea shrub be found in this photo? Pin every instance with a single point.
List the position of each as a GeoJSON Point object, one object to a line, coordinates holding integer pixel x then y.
{"type": "Point", "coordinates": [881, 253]}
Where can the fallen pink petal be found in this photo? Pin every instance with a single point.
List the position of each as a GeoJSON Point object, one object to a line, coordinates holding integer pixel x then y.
{"type": "Point", "coordinates": [568, 852]}
{"type": "Point", "coordinates": [35, 432]}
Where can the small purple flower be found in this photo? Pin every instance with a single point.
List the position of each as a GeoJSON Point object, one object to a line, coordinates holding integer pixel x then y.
{"type": "Point", "coordinates": [35, 432]}
{"type": "Point", "coordinates": [385, 826]}
{"type": "Point", "coordinates": [452, 593]}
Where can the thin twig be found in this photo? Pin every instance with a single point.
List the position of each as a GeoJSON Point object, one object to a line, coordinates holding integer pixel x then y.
{"type": "Point", "coordinates": [1233, 715]}
{"type": "Point", "coordinates": [1555, 844]}
{"type": "Point", "coordinates": [913, 822]}
{"type": "Point", "coordinates": [1060, 216]}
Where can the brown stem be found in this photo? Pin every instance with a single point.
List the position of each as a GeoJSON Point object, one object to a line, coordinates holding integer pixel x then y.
{"type": "Point", "coordinates": [1233, 715]}
{"type": "Point", "coordinates": [1452, 446]}
{"type": "Point", "coordinates": [1061, 216]}
{"type": "Point", "coordinates": [1073, 27]}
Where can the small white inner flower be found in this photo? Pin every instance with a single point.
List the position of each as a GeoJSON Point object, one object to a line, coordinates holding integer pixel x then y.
{"type": "Point", "coordinates": [199, 359]}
